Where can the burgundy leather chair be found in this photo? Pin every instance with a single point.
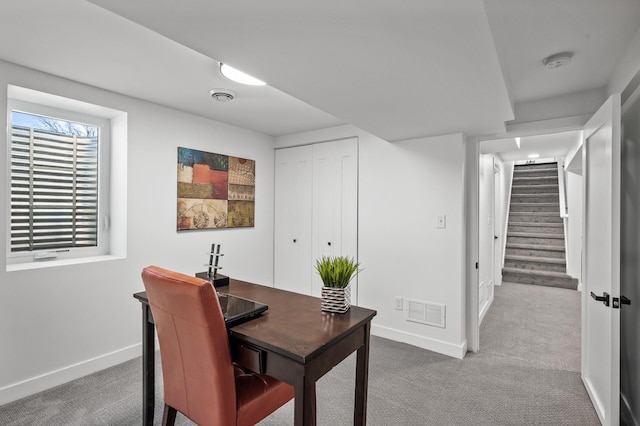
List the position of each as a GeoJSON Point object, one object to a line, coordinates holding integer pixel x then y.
{"type": "Point", "coordinates": [200, 380]}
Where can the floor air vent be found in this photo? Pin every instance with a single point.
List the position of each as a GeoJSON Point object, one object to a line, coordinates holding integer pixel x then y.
{"type": "Point", "coordinates": [425, 313]}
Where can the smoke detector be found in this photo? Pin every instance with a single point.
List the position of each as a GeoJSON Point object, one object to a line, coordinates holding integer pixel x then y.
{"type": "Point", "coordinates": [558, 60]}
{"type": "Point", "coordinates": [222, 95]}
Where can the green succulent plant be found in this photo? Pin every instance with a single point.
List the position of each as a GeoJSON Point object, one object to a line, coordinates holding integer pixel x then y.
{"type": "Point", "coordinates": [337, 271]}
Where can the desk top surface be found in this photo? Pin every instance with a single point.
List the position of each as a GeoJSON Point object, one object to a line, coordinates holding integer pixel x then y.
{"type": "Point", "coordinates": [294, 326]}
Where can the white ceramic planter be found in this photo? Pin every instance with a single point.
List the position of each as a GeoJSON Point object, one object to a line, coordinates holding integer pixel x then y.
{"type": "Point", "coordinates": [336, 300]}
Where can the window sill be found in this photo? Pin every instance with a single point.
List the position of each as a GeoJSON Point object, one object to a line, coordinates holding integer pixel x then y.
{"type": "Point", "coordinates": [60, 262]}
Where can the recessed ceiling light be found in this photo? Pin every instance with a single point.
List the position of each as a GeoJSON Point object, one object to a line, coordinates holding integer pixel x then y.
{"type": "Point", "coordinates": [222, 95]}
{"type": "Point", "coordinates": [239, 77]}
{"type": "Point", "coordinates": [534, 155]}
{"type": "Point", "coordinates": [558, 60]}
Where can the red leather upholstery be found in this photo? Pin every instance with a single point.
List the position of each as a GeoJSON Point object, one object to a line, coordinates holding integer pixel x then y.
{"type": "Point", "coordinates": [200, 379]}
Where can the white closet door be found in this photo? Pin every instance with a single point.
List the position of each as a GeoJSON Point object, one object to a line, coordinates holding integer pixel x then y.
{"type": "Point", "coordinates": [292, 236]}
{"type": "Point", "coordinates": [335, 204]}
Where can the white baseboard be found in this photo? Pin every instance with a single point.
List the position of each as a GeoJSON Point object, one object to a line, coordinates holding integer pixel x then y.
{"type": "Point", "coordinates": [597, 404]}
{"type": "Point", "coordinates": [435, 345]}
{"type": "Point", "coordinates": [485, 308]}
{"type": "Point", "coordinates": [66, 374]}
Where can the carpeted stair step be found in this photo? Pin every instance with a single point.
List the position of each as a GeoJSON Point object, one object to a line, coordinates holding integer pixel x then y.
{"type": "Point", "coordinates": [536, 166]}
{"type": "Point", "coordinates": [535, 263]}
{"type": "Point", "coordinates": [535, 198]}
{"type": "Point", "coordinates": [541, 217]}
{"type": "Point", "coordinates": [535, 207]}
{"type": "Point", "coordinates": [549, 171]}
{"type": "Point", "coordinates": [536, 227]}
{"type": "Point", "coordinates": [543, 278]}
{"type": "Point", "coordinates": [536, 239]}
{"type": "Point", "coordinates": [535, 180]}
{"type": "Point", "coordinates": [534, 189]}
{"type": "Point", "coordinates": [534, 250]}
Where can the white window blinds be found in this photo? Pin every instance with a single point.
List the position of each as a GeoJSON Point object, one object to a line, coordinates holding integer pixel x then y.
{"type": "Point", "coordinates": [54, 189]}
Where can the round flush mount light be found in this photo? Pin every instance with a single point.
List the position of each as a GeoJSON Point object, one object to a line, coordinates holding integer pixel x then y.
{"type": "Point", "coordinates": [222, 95]}
{"type": "Point", "coordinates": [558, 60]}
{"type": "Point", "coordinates": [238, 76]}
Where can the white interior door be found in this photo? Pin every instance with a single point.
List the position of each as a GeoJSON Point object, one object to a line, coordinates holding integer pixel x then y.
{"type": "Point", "coordinates": [335, 204]}
{"type": "Point", "coordinates": [601, 267]}
{"type": "Point", "coordinates": [293, 206]}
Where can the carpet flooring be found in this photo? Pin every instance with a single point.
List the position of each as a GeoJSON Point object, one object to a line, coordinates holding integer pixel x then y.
{"type": "Point", "coordinates": [526, 373]}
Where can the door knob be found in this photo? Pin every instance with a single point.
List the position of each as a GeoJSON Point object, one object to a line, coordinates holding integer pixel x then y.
{"type": "Point", "coordinates": [329, 243]}
{"type": "Point", "coordinates": [604, 298]}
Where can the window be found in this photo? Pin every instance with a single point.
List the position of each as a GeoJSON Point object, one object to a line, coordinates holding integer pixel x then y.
{"type": "Point", "coordinates": [59, 198]}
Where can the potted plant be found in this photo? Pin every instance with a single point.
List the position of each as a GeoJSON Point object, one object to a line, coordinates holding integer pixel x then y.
{"type": "Point", "coordinates": [336, 274]}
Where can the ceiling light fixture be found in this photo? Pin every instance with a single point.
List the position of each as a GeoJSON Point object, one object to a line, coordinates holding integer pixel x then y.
{"type": "Point", "coordinates": [558, 60]}
{"type": "Point", "coordinates": [534, 155]}
{"type": "Point", "coordinates": [238, 76]}
{"type": "Point", "coordinates": [222, 95]}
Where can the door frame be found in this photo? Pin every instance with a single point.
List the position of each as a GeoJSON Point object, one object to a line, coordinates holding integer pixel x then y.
{"type": "Point", "coordinates": [472, 230]}
{"type": "Point", "coordinates": [473, 331]}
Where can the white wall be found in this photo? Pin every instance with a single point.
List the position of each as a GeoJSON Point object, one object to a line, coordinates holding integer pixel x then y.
{"type": "Point", "coordinates": [403, 187]}
{"type": "Point", "coordinates": [573, 184]}
{"type": "Point", "coordinates": [627, 68]}
{"type": "Point", "coordinates": [502, 216]}
{"type": "Point", "coordinates": [583, 103]}
{"type": "Point", "coordinates": [67, 321]}
{"type": "Point", "coordinates": [486, 232]}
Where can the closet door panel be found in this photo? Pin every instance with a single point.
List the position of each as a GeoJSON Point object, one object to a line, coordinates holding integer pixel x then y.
{"type": "Point", "coordinates": [348, 163]}
{"type": "Point", "coordinates": [335, 203]}
{"type": "Point", "coordinates": [293, 213]}
{"type": "Point", "coordinates": [323, 217]}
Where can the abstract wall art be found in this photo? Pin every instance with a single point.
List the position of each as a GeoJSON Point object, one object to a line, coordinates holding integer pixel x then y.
{"type": "Point", "coordinates": [215, 190]}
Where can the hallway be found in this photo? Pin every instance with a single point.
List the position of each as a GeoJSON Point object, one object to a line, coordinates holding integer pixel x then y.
{"type": "Point", "coordinates": [538, 328]}
{"type": "Point", "coordinates": [537, 325]}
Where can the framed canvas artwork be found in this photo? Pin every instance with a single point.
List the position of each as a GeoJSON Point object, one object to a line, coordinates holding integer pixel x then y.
{"type": "Point", "coordinates": [215, 190]}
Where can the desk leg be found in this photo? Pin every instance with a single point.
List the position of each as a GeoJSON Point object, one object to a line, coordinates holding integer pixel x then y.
{"type": "Point", "coordinates": [305, 401]}
{"type": "Point", "coordinates": [148, 366]}
{"type": "Point", "coordinates": [362, 377]}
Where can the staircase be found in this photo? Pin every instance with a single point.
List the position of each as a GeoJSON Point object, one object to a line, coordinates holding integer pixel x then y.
{"type": "Point", "coordinates": [535, 235]}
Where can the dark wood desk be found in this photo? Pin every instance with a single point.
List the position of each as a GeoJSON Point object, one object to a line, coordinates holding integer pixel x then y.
{"type": "Point", "coordinates": [294, 341]}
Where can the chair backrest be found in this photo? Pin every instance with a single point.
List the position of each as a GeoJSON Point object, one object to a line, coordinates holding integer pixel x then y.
{"type": "Point", "coordinates": [194, 347]}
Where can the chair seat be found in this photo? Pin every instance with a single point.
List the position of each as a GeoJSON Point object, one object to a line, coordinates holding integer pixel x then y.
{"type": "Point", "coordinates": [257, 394]}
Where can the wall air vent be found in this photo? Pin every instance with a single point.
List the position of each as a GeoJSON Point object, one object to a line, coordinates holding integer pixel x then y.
{"type": "Point", "coordinates": [425, 313]}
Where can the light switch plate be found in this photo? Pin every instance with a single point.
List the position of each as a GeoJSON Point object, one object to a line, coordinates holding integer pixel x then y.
{"type": "Point", "coordinates": [442, 221]}
{"type": "Point", "coordinates": [399, 303]}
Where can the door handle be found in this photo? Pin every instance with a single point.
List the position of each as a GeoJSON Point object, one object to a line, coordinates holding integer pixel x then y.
{"type": "Point", "coordinates": [623, 300]}
{"type": "Point", "coordinates": [604, 298]}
